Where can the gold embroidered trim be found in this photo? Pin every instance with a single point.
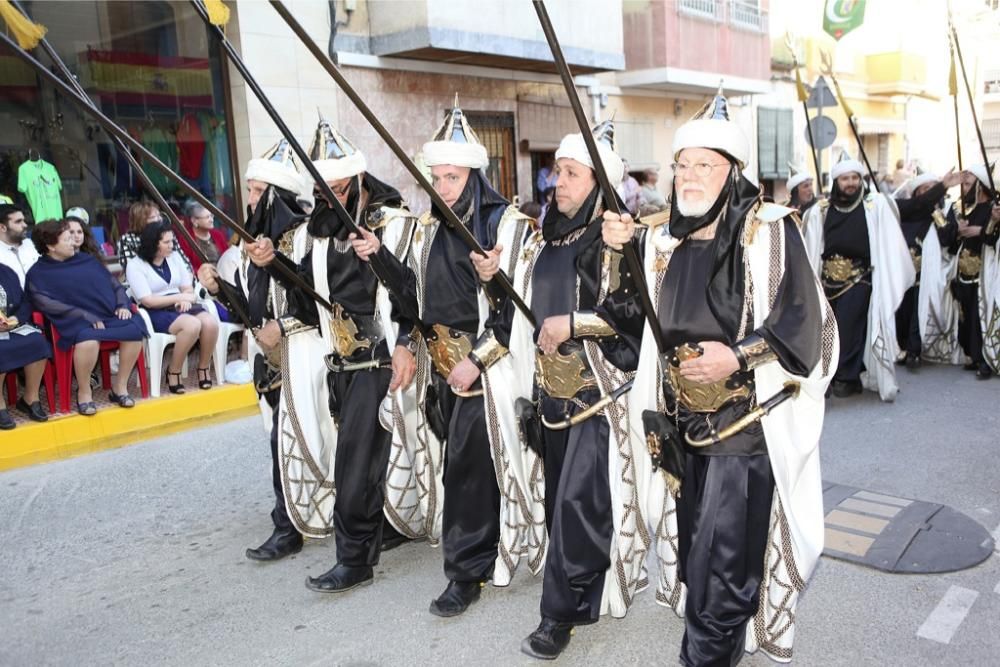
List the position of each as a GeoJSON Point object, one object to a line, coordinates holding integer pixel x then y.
{"type": "Point", "coordinates": [588, 323]}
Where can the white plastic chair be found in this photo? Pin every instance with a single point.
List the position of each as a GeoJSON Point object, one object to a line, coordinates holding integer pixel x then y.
{"type": "Point", "coordinates": [226, 331]}
{"type": "Point", "coordinates": [156, 345]}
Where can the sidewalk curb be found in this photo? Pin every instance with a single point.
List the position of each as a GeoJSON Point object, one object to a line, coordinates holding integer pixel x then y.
{"type": "Point", "coordinates": [112, 427]}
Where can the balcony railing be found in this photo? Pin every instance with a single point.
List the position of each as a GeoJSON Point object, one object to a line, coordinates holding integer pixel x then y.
{"type": "Point", "coordinates": [742, 14]}
{"type": "Point", "coordinates": [709, 9]}
{"type": "Point", "coordinates": [747, 15]}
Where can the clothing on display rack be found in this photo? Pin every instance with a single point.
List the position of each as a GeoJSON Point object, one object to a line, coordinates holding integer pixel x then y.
{"type": "Point", "coordinates": [39, 182]}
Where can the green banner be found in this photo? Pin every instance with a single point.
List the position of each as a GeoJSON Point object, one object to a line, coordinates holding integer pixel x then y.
{"type": "Point", "coordinates": [842, 16]}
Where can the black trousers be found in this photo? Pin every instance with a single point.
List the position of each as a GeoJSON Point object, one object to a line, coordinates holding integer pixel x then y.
{"type": "Point", "coordinates": [851, 311]}
{"type": "Point", "coordinates": [470, 530]}
{"type": "Point", "coordinates": [970, 331]}
{"type": "Point", "coordinates": [359, 470]}
{"type": "Point", "coordinates": [908, 322]}
{"type": "Point", "coordinates": [723, 517]}
{"type": "Point", "coordinates": [279, 515]}
{"type": "Point", "coordinates": [578, 514]}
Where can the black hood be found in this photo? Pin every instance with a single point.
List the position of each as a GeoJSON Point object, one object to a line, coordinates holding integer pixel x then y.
{"type": "Point", "coordinates": [324, 221]}
{"type": "Point", "coordinates": [486, 204]}
{"type": "Point", "coordinates": [276, 212]}
{"type": "Point", "coordinates": [725, 284]}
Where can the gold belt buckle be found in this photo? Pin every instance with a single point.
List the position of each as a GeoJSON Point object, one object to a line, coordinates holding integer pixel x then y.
{"type": "Point", "coordinates": [969, 265]}
{"type": "Point", "coordinates": [695, 396]}
{"type": "Point", "coordinates": [839, 269]}
{"type": "Point", "coordinates": [345, 333]}
{"type": "Point", "coordinates": [563, 375]}
{"type": "Point", "coordinates": [448, 348]}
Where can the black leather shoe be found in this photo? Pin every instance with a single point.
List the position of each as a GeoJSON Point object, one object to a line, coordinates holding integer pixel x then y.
{"type": "Point", "coordinates": [912, 361]}
{"type": "Point", "coordinates": [457, 597]}
{"type": "Point", "coordinates": [34, 411]}
{"type": "Point", "coordinates": [390, 542]}
{"type": "Point", "coordinates": [984, 372]}
{"type": "Point", "coordinates": [548, 641]}
{"type": "Point", "coordinates": [341, 579]}
{"type": "Point", "coordinates": [6, 421]}
{"type": "Point", "coordinates": [281, 543]}
{"type": "Point", "coordinates": [971, 366]}
{"type": "Point", "coordinates": [845, 388]}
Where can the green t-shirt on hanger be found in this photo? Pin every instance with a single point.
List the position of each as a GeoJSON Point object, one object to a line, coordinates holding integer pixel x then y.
{"type": "Point", "coordinates": [40, 183]}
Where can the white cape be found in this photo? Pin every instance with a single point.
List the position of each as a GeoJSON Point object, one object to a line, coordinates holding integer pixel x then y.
{"type": "Point", "coordinates": [792, 431]}
{"type": "Point", "coordinates": [520, 470]}
{"type": "Point", "coordinates": [937, 310]}
{"type": "Point", "coordinates": [414, 487]}
{"type": "Point", "coordinates": [989, 306]}
{"type": "Point", "coordinates": [307, 435]}
{"type": "Point", "coordinates": [892, 274]}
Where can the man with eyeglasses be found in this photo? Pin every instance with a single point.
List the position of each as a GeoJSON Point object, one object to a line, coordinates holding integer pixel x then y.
{"type": "Point", "coordinates": [364, 359]}
{"type": "Point", "coordinates": [859, 253]}
{"type": "Point", "coordinates": [736, 501]}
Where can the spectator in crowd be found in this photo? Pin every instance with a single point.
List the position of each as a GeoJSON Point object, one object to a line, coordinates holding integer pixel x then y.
{"type": "Point", "coordinates": [15, 253]}
{"type": "Point", "coordinates": [163, 285]}
{"type": "Point", "coordinates": [900, 176]}
{"type": "Point", "coordinates": [86, 305]}
{"type": "Point", "coordinates": [141, 214]}
{"type": "Point", "coordinates": [545, 183]}
{"type": "Point", "coordinates": [83, 237]}
{"type": "Point", "coordinates": [22, 345]}
{"type": "Point", "coordinates": [533, 210]}
{"type": "Point", "coordinates": [629, 191]}
{"type": "Point", "coordinates": [651, 200]}
{"type": "Point", "coordinates": [211, 241]}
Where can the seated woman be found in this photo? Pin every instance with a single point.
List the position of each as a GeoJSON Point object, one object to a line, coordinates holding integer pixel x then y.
{"type": "Point", "coordinates": [81, 235]}
{"type": "Point", "coordinates": [162, 284]}
{"type": "Point", "coordinates": [22, 345]}
{"type": "Point", "coordinates": [140, 214]}
{"type": "Point", "coordinates": [86, 305]}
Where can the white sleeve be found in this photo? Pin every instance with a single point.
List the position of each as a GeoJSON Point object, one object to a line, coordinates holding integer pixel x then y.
{"type": "Point", "coordinates": [138, 281]}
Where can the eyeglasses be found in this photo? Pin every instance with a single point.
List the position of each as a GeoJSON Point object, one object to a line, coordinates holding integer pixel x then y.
{"type": "Point", "coordinates": [701, 169]}
{"type": "Point", "coordinates": [338, 191]}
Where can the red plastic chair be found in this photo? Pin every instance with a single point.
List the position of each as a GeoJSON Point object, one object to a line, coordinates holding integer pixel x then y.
{"type": "Point", "coordinates": [47, 377]}
{"type": "Point", "coordinates": [64, 368]}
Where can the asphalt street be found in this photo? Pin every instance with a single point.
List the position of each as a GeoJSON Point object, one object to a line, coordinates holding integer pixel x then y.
{"type": "Point", "coordinates": [135, 557]}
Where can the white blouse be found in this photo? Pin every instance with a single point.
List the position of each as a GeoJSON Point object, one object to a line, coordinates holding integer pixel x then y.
{"type": "Point", "coordinates": [144, 281]}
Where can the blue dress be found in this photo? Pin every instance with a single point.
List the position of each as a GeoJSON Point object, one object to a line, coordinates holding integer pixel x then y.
{"type": "Point", "coordinates": [17, 350]}
{"type": "Point", "coordinates": [77, 292]}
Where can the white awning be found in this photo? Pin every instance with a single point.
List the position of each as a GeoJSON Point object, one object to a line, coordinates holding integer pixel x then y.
{"type": "Point", "coordinates": [881, 125]}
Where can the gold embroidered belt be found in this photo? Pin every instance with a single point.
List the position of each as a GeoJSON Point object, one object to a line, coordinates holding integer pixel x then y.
{"type": "Point", "coordinates": [698, 397]}
{"type": "Point", "coordinates": [969, 265]}
{"type": "Point", "coordinates": [448, 348]}
{"type": "Point", "coordinates": [837, 269]}
{"type": "Point", "coordinates": [564, 375]}
{"type": "Point", "coordinates": [350, 333]}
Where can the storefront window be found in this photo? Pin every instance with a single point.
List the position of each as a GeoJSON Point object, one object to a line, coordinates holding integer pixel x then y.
{"type": "Point", "coordinates": [152, 68]}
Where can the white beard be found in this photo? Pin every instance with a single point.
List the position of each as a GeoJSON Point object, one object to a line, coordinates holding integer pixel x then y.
{"type": "Point", "coordinates": [693, 209]}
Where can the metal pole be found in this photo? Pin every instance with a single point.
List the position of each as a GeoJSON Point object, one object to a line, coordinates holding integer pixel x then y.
{"type": "Point", "coordinates": [635, 265]}
{"type": "Point", "coordinates": [450, 218]}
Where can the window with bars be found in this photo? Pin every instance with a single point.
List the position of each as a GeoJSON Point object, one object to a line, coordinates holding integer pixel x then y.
{"type": "Point", "coordinates": [496, 131]}
{"type": "Point", "coordinates": [634, 141]}
{"type": "Point", "coordinates": [774, 142]}
{"type": "Point", "coordinates": [991, 133]}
